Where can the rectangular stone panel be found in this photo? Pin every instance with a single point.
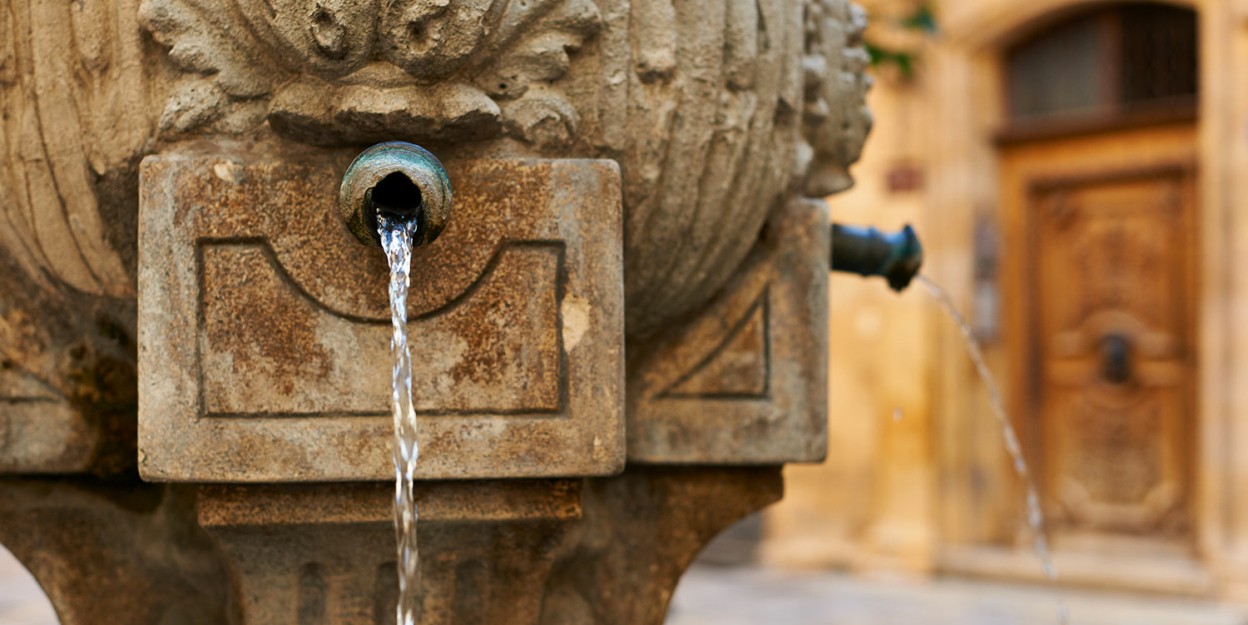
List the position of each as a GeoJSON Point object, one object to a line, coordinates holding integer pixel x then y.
{"type": "Point", "coordinates": [264, 327]}
{"type": "Point", "coordinates": [745, 380]}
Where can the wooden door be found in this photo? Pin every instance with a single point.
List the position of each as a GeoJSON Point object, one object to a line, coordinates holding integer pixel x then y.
{"type": "Point", "coordinates": [1103, 294]}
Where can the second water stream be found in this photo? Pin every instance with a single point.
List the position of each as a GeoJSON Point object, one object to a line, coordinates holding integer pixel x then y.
{"type": "Point", "coordinates": [1035, 514]}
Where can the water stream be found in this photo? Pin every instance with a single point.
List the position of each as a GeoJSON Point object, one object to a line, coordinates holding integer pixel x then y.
{"type": "Point", "coordinates": [1035, 514]}
{"type": "Point", "coordinates": [396, 239]}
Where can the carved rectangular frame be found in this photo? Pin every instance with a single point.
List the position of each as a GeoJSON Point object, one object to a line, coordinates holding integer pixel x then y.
{"type": "Point", "coordinates": [745, 380]}
{"type": "Point", "coordinates": [198, 206]}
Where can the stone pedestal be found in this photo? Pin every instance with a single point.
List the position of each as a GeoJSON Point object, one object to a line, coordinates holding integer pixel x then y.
{"type": "Point", "coordinates": [325, 553]}
{"type": "Point", "coordinates": [640, 531]}
{"type": "Point", "coordinates": [120, 553]}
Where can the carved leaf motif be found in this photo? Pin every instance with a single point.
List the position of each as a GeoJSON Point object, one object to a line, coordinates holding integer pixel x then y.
{"type": "Point", "coordinates": [192, 104]}
{"type": "Point", "coordinates": [539, 38]}
{"type": "Point", "coordinates": [541, 117]}
{"type": "Point", "coordinates": [325, 38]}
{"type": "Point", "coordinates": [215, 44]}
{"type": "Point", "coordinates": [432, 38]}
{"type": "Point", "coordinates": [533, 43]}
{"type": "Point", "coordinates": [362, 72]}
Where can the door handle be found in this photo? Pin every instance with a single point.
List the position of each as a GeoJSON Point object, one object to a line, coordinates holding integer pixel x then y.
{"type": "Point", "coordinates": [1116, 358]}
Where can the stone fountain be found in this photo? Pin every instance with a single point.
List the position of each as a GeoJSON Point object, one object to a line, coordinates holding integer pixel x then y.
{"type": "Point", "coordinates": [618, 339]}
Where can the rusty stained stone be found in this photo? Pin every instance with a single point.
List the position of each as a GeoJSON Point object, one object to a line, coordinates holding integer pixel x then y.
{"type": "Point", "coordinates": [745, 380]}
{"type": "Point", "coordinates": [283, 336]}
{"type": "Point", "coordinates": [265, 326]}
{"type": "Point", "coordinates": [472, 357]}
{"type": "Point", "coordinates": [67, 382]}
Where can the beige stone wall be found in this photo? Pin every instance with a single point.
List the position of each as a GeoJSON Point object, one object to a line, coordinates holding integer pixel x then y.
{"type": "Point", "coordinates": [869, 504]}
{"type": "Point", "coordinates": [893, 495]}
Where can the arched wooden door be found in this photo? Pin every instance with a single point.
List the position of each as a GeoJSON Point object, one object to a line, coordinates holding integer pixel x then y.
{"type": "Point", "coordinates": [1098, 182]}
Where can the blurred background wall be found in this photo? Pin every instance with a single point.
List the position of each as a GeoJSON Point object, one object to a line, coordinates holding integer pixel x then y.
{"type": "Point", "coordinates": [1077, 172]}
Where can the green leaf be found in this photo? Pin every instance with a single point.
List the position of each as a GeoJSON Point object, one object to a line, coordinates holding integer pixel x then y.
{"type": "Point", "coordinates": [880, 57]}
{"type": "Point", "coordinates": [922, 19]}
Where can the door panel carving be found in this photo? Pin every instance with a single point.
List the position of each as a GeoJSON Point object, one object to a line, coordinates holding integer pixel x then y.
{"type": "Point", "coordinates": [1112, 357]}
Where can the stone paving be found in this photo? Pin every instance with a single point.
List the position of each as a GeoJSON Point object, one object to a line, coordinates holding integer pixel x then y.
{"type": "Point", "coordinates": [756, 596]}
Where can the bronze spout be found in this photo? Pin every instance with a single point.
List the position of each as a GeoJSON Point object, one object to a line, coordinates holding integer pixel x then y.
{"type": "Point", "coordinates": [395, 179]}
{"type": "Point", "coordinates": [894, 256]}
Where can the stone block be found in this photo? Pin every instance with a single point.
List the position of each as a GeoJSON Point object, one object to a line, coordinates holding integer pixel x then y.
{"type": "Point", "coordinates": [745, 380]}
{"type": "Point", "coordinates": [265, 328]}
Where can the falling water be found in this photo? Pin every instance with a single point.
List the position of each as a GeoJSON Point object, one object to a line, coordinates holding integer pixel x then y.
{"type": "Point", "coordinates": [396, 239]}
{"type": "Point", "coordinates": [1035, 515]}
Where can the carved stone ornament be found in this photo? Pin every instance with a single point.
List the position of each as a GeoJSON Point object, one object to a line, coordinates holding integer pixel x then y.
{"type": "Point", "coordinates": [716, 110]}
{"type": "Point", "coordinates": [330, 72]}
{"type": "Point", "coordinates": [567, 296]}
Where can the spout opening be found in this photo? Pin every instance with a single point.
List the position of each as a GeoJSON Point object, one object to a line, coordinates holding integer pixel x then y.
{"type": "Point", "coordinates": [895, 256]}
{"type": "Point", "coordinates": [395, 180]}
{"type": "Point", "coordinates": [396, 195]}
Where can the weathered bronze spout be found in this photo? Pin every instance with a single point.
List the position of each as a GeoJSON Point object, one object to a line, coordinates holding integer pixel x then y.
{"type": "Point", "coordinates": [395, 179]}
{"type": "Point", "coordinates": [894, 256]}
